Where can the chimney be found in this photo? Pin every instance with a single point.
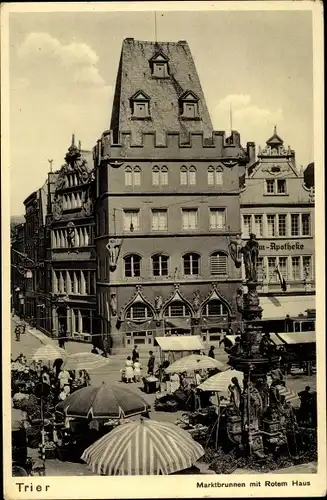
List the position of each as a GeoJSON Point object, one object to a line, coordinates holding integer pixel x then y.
{"type": "Point", "coordinates": [250, 146]}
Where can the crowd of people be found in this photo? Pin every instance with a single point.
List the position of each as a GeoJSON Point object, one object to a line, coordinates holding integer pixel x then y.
{"type": "Point", "coordinates": [61, 382]}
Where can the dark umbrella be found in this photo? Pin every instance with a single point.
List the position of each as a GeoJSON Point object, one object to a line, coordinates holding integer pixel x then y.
{"type": "Point", "coordinates": [103, 402]}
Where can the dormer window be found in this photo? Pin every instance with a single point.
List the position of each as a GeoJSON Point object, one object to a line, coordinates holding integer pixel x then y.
{"type": "Point", "coordinates": [189, 107]}
{"type": "Point", "coordinates": [140, 105]}
{"type": "Point", "coordinates": [159, 65]}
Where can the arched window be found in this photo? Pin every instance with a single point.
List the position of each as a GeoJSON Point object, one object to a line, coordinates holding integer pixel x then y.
{"type": "Point", "coordinates": [164, 176]}
{"type": "Point", "coordinates": [128, 176]}
{"type": "Point", "coordinates": [215, 176]}
{"type": "Point", "coordinates": [218, 263]}
{"type": "Point", "coordinates": [191, 263]}
{"type": "Point", "coordinates": [215, 308]}
{"type": "Point", "coordinates": [137, 176]}
{"type": "Point", "coordinates": [133, 176]}
{"type": "Point", "coordinates": [132, 265]}
{"type": "Point", "coordinates": [188, 176]}
{"type": "Point", "coordinates": [177, 309]}
{"type": "Point", "coordinates": [192, 176]}
{"type": "Point", "coordinates": [155, 176]}
{"type": "Point", "coordinates": [160, 265]}
{"type": "Point", "coordinates": [184, 176]}
{"type": "Point", "coordinates": [139, 312]}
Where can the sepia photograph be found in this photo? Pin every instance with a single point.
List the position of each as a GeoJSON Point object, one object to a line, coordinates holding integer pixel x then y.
{"type": "Point", "coordinates": [162, 308]}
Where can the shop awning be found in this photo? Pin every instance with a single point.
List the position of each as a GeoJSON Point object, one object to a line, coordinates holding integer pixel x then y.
{"type": "Point", "coordinates": [178, 323]}
{"type": "Point", "coordinates": [180, 343]}
{"type": "Point", "coordinates": [298, 337]}
{"type": "Point", "coordinates": [276, 340]}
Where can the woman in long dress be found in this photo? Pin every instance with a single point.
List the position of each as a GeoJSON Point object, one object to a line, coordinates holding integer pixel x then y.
{"type": "Point", "coordinates": [174, 382]}
{"type": "Point", "coordinates": [129, 372]}
{"type": "Point", "coordinates": [137, 370]}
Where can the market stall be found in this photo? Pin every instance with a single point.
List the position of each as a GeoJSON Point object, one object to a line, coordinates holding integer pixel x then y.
{"type": "Point", "coordinates": [174, 347]}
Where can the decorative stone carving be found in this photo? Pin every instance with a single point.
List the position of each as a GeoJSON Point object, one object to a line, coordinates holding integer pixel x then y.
{"type": "Point", "coordinates": [113, 304]}
{"type": "Point", "coordinates": [235, 250]}
{"type": "Point", "coordinates": [57, 207]}
{"type": "Point", "coordinates": [113, 248]}
{"type": "Point", "coordinates": [158, 302]}
{"type": "Point", "coordinates": [71, 235]}
{"type": "Point", "coordinates": [88, 204]}
{"type": "Point", "coordinates": [196, 300]}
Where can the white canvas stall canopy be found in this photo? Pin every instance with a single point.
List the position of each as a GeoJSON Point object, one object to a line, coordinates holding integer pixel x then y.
{"type": "Point", "coordinates": [179, 344]}
{"type": "Point", "coordinates": [298, 337]}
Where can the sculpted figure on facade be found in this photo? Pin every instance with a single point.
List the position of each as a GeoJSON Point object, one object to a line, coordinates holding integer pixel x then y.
{"type": "Point", "coordinates": [113, 248]}
{"type": "Point", "coordinates": [57, 207]}
{"type": "Point", "coordinates": [235, 250]}
{"type": "Point", "coordinates": [113, 304]}
{"type": "Point", "coordinates": [196, 300]}
{"type": "Point", "coordinates": [71, 234]}
{"type": "Point", "coordinates": [158, 301]}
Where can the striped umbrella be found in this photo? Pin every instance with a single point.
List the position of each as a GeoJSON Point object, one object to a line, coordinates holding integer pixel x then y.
{"type": "Point", "coordinates": [85, 361]}
{"type": "Point", "coordinates": [221, 381]}
{"type": "Point", "coordinates": [49, 352]}
{"type": "Point", "coordinates": [194, 362]}
{"type": "Point", "coordinates": [147, 447]}
{"type": "Point", "coordinates": [287, 393]}
{"type": "Point", "coordinates": [103, 402]}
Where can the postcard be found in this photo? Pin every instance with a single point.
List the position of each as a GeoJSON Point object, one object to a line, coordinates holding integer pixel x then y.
{"type": "Point", "coordinates": [163, 250]}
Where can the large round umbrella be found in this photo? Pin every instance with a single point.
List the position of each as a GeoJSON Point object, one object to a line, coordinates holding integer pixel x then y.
{"type": "Point", "coordinates": [287, 393]}
{"type": "Point", "coordinates": [49, 352]}
{"type": "Point", "coordinates": [221, 381]}
{"type": "Point", "coordinates": [194, 362]}
{"type": "Point", "coordinates": [147, 447]}
{"type": "Point", "coordinates": [103, 402]}
{"type": "Point", "coordinates": [85, 361]}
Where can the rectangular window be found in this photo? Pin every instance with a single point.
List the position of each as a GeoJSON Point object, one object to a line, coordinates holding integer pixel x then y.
{"type": "Point", "coordinates": [270, 186]}
{"type": "Point", "coordinates": [282, 225]}
{"type": "Point", "coordinates": [246, 226]}
{"type": "Point", "coordinates": [306, 225]}
{"type": "Point", "coordinates": [192, 177]}
{"type": "Point", "coordinates": [218, 264]}
{"type": "Point", "coordinates": [296, 268]}
{"type": "Point", "coordinates": [260, 270]}
{"type": "Point", "coordinates": [159, 220]}
{"type": "Point", "coordinates": [295, 227]}
{"type": "Point", "coordinates": [282, 262]}
{"type": "Point", "coordinates": [131, 220]}
{"type": "Point", "coordinates": [155, 177]}
{"type": "Point", "coordinates": [271, 223]}
{"type": "Point", "coordinates": [164, 177]}
{"type": "Point", "coordinates": [190, 219]}
{"type": "Point", "coordinates": [211, 177]}
{"type": "Point", "coordinates": [258, 228]}
{"type": "Point", "coordinates": [128, 177]}
{"type": "Point", "coordinates": [217, 218]}
{"type": "Point", "coordinates": [272, 276]}
{"type": "Point", "coordinates": [281, 186]}
{"type": "Point", "coordinates": [189, 110]}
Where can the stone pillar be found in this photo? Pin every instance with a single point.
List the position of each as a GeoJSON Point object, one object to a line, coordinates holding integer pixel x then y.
{"type": "Point", "coordinates": [68, 322]}
{"type": "Point", "coordinates": [54, 321]}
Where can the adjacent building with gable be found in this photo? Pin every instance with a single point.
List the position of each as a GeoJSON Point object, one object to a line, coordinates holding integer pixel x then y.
{"type": "Point", "coordinates": [278, 206]}
{"type": "Point", "coordinates": [167, 202]}
{"type": "Point", "coordinates": [70, 266]}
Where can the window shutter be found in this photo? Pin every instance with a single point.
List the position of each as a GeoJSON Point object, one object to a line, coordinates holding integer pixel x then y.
{"type": "Point", "coordinates": [218, 264]}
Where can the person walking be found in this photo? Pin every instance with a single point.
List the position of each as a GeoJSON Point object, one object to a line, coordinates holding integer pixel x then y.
{"type": "Point", "coordinates": [64, 378]}
{"type": "Point", "coordinates": [137, 370]}
{"type": "Point", "coordinates": [227, 343]}
{"type": "Point", "coordinates": [135, 354]}
{"type": "Point", "coordinates": [151, 363]}
{"type": "Point", "coordinates": [129, 372]}
{"type": "Point", "coordinates": [211, 352]}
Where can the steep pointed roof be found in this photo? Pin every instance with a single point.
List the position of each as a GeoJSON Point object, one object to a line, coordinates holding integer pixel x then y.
{"type": "Point", "coordinates": [275, 140]}
{"type": "Point", "coordinates": [135, 74]}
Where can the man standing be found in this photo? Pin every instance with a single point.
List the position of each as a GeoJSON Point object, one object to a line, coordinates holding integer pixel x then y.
{"type": "Point", "coordinates": [135, 354]}
{"type": "Point", "coordinates": [62, 336]}
{"type": "Point", "coordinates": [151, 363]}
{"type": "Point", "coordinates": [211, 352]}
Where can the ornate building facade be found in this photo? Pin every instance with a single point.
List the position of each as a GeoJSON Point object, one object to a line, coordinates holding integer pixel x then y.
{"type": "Point", "coordinates": [278, 206]}
{"type": "Point", "coordinates": [167, 202]}
{"type": "Point", "coordinates": [71, 252]}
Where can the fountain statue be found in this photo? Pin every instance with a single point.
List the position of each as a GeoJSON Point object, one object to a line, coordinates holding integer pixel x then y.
{"type": "Point", "coordinates": [252, 358]}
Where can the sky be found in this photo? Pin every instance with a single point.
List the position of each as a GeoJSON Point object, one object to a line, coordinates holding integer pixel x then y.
{"type": "Point", "coordinates": [63, 67]}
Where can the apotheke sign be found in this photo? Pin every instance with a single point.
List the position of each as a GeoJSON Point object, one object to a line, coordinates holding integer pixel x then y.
{"type": "Point", "coordinates": [284, 246]}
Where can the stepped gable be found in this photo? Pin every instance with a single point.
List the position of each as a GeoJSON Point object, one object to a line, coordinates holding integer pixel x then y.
{"type": "Point", "coordinates": [135, 78]}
